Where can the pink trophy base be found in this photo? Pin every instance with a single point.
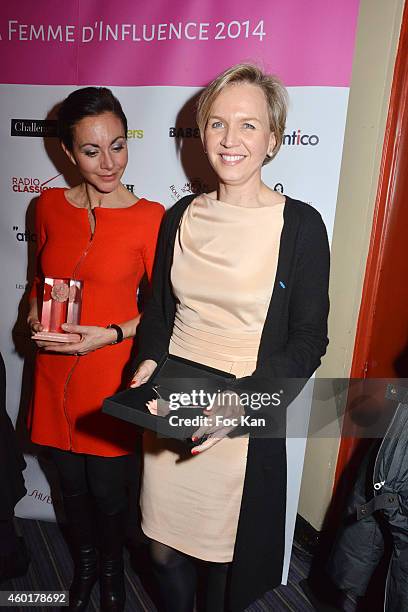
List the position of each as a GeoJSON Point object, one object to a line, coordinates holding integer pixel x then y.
{"type": "Point", "coordinates": [56, 337]}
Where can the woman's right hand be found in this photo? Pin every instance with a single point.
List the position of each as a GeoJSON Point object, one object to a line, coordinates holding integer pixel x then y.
{"type": "Point", "coordinates": [34, 324]}
{"type": "Point", "coordinates": [143, 372]}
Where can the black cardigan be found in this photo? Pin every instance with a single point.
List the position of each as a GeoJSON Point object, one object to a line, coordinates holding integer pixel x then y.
{"type": "Point", "coordinates": [294, 338]}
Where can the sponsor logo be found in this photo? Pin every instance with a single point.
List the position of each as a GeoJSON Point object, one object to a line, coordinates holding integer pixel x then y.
{"type": "Point", "coordinates": [26, 236]}
{"type": "Point", "coordinates": [30, 184]}
{"type": "Point", "coordinates": [196, 186]}
{"type": "Point", "coordinates": [297, 138]}
{"type": "Point", "coordinates": [184, 132]}
{"type": "Point", "coordinates": [132, 134]}
{"type": "Point", "coordinates": [21, 286]}
{"type": "Point", "coordinates": [37, 128]}
{"type": "Point", "coordinates": [130, 188]}
{"type": "Point", "coordinates": [278, 187]}
{"type": "Point", "coordinates": [44, 497]}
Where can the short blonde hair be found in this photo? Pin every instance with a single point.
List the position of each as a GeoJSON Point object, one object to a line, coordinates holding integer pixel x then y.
{"type": "Point", "coordinates": [275, 94]}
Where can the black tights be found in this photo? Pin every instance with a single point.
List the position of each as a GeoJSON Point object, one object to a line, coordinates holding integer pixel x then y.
{"type": "Point", "coordinates": [176, 574]}
{"type": "Point", "coordinates": [103, 478]}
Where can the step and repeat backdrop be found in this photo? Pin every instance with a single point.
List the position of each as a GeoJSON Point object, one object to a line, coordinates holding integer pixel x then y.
{"type": "Point", "coordinates": [156, 57]}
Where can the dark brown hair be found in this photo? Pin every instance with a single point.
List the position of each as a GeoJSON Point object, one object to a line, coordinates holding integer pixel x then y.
{"type": "Point", "coordinates": [86, 102]}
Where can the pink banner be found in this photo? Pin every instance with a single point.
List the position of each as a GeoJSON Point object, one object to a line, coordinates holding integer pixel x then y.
{"type": "Point", "coordinates": [183, 42]}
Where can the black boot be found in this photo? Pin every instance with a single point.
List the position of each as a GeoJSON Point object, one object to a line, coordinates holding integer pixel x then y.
{"type": "Point", "coordinates": [78, 509]}
{"type": "Point", "coordinates": [111, 577]}
{"type": "Point", "coordinates": [85, 576]}
{"type": "Point", "coordinates": [112, 583]}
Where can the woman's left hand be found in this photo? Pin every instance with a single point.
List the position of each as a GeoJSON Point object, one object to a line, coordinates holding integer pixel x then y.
{"type": "Point", "coordinates": [222, 418]}
{"type": "Point", "coordinates": [158, 407]}
{"type": "Point", "coordinates": [92, 337]}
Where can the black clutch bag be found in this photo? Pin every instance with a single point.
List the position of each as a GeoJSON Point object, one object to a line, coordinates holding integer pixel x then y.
{"type": "Point", "coordinates": [186, 387]}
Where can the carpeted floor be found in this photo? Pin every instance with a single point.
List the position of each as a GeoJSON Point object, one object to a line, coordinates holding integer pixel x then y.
{"type": "Point", "coordinates": [51, 569]}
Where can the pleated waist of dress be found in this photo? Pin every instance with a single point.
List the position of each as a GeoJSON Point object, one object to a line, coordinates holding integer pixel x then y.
{"type": "Point", "coordinates": [216, 343]}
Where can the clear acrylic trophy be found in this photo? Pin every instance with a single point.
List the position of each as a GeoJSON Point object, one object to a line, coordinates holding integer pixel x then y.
{"type": "Point", "coordinates": [62, 301]}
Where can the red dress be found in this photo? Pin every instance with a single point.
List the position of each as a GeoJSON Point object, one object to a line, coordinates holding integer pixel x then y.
{"type": "Point", "coordinates": [68, 389]}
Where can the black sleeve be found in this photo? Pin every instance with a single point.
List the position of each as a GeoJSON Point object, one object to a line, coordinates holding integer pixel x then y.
{"type": "Point", "coordinates": [153, 333]}
{"type": "Point", "coordinates": [289, 369]}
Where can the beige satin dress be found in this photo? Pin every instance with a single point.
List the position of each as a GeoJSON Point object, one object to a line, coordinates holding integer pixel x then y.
{"type": "Point", "coordinates": [224, 267]}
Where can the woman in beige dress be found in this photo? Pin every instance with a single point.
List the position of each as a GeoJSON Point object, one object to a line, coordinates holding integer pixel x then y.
{"type": "Point", "coordinates": [240, 284]}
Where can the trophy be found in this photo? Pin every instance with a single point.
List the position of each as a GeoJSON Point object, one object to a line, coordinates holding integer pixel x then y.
{"type": "Point", "coordinates": [62, 300]}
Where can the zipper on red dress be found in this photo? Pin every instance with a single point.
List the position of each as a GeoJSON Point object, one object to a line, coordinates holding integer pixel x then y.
{"type": "Point", "coordinates": [81, 259]}
{"type": "Point", "coordinates": [64, 401]}
{"type": "Point", "coordinates": [84, 254]}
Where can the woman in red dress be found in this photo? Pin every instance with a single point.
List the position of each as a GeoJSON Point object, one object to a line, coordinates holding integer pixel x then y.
{"type": "Point", "coordinates": [100, 233]}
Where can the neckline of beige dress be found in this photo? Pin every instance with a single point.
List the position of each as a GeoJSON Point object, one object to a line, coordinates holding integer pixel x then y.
{"type": "Point", "coordinates": [207, 198]}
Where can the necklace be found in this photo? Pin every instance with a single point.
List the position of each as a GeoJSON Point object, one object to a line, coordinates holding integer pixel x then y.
{"type": "Point", "coordinates": [90, 211]}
